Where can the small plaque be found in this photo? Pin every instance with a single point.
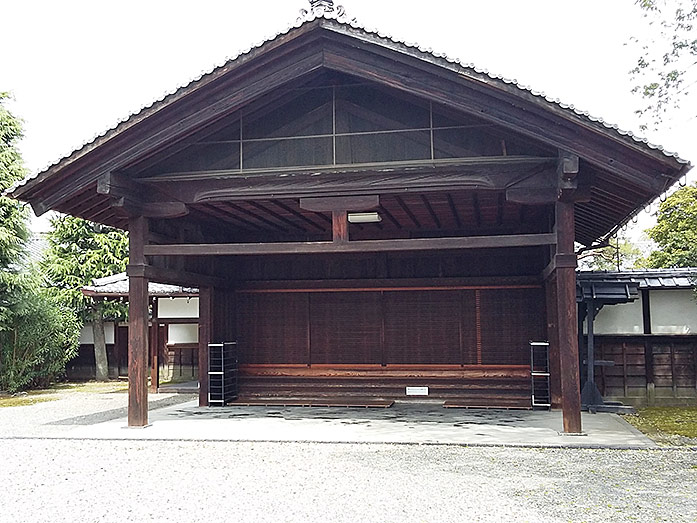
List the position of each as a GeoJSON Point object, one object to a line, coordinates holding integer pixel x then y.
{"type": "Point", "coordinates": [417, 391]}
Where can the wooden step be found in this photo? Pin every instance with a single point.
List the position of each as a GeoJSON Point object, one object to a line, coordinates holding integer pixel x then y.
{"type": "Point", "coordinates": [493, 403]}
{"type": "Point", "coordinates": [312, 402]}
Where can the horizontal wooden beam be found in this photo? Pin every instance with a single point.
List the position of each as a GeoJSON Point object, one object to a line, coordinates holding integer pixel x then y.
{"type": "Point", "coordinates": [174, 276]}
{"type": "Point", "coordinates": [340, 203]}
{"type": "Point", "coordinates": [492, 173]}
{"type": "Point", "coordinates": [418, 244]}
{"type": "Point", "coordinates": [559, 261]}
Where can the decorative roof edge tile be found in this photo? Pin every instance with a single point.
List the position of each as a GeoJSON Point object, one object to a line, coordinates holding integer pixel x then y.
{"type": "Point", "coordinates": [339, 19]}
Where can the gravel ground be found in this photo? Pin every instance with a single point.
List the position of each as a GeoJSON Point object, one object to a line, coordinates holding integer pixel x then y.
{"type": "Point", "coordinates": [73, 480]}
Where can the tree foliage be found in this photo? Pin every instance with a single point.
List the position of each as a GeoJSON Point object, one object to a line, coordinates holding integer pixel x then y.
{"type": "Point", "coordinates": [13, 229]}
{"type": "Point", "coordinates": [675, 232]}
{"type": "Point", "coordinates": [80, 251]}
{"type": "Point", "coordinates": [621, 254]}
{"type": "Point", "coordinates": [666, 70]}
{"type": "Point", "coordinates": [37, 336]}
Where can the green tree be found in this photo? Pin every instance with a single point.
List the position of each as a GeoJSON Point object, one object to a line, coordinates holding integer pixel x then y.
{"type": "Point", "coordinates": [665, 70]}
{"type": "Point", "coordinates": [37, 336]}
{"type": "Point", "coordinates": [80, 251]}
{"type": "Point", "coordinates": [619, 255]}
{"type": "Point", "coordinates": [13, 229]}
{"type": "Point", "coordinates": [675, 232]}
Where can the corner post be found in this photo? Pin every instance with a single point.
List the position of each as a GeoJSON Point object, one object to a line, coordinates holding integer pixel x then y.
{"type": "Point", "coordinates": [137, 324]}
{"type": "Point", "coordinates": [567, 318]}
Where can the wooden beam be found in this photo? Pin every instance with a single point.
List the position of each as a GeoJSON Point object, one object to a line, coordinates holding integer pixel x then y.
{"type": "Point", "coordinates": [453, 210]}
{"type": "Point", "coordinates": [340, 231]}
{"type": "Point", "coordinates": [559, 261]}
{"type": "Point", "coordinates": [416, 244]}
{"type": "Point", "coordinates": [340, 203]}
{"type": "Point", "coordinates": [132, 198]}
{"type": "Point", "coordinates": [567, 321]}
{"type": "Point", "coordinates": [205, 329]}
{"type": "Point", "coordinates": [137, 327]}
{"type": "Point", "coordinates": [407, 210]}
{"type": "Point", "coordinates": [174, 276]}
{"type": "Point", "coordinates": [154, 349]}
{"type": "Point", "coordinates": [298, 214]}
{"type": "Point", "coordinates": [495, 173]}
{"type": "Point", "coordinates": [430, 210]}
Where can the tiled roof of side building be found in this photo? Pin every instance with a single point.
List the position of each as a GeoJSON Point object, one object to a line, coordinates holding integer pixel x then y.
{"type": "Point", "coordinates": [682, 278]}
{"type": "Point", "coordinates": [117, 286]}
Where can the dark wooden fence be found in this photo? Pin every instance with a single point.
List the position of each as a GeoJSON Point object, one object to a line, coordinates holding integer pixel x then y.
{"type": "Point", "coordinates": [649, 369]}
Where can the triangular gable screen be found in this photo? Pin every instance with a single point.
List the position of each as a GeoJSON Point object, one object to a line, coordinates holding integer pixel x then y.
{"type": "Point", "coordinates": [347, 123]}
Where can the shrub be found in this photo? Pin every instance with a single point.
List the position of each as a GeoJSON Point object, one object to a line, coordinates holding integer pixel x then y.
{"type": "Point", "coordinates": [42, 338]}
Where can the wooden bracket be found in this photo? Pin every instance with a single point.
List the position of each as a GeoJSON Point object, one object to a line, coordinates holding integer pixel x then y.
{"type": "Point", "coordinates": [128, 198]}
{"type": "Point", "coordinates": [340, 203]}
{"type": "Point", "coordinates": [339, 207]}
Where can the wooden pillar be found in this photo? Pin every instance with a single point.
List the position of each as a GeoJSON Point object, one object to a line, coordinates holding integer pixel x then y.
{"type": "Point", "coordinates": [553, 338]}
{"type": "Point", "coordinates": [137, 325]}
{"type": "Point", "coordinates": [154, 349]}
{"type": "Point", "coordinates": [567, 318]}
{"type": "Point", "coordinates": [340, 231]}
{"type": "Point", "coordinates": [648, 348]}
{"type": "Point", "coordinates": [205, 306]}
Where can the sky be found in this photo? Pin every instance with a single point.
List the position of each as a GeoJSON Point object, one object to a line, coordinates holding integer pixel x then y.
{"type": "Point", "coordinates": [76, 67]}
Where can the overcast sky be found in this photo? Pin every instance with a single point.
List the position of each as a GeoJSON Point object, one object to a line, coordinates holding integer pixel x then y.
{"type": "Point", "coordinates": [77, 67]}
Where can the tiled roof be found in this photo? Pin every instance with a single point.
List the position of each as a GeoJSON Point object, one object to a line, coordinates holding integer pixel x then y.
{"type": "Point", "coordinates": [647, 278]}
{"type": "Point", "coordinates": [117, 285]}
{"type": "Point", "coordinates": [339, 24]}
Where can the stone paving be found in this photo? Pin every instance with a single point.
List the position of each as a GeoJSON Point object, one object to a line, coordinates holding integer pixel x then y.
{"type": "Point", "coordinates": [421, 423]}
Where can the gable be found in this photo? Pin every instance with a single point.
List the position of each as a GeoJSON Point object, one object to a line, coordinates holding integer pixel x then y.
{"type": "Point", "coordinates": [337, 120]}
{"type": "Point", "coordinates": [267, 112]}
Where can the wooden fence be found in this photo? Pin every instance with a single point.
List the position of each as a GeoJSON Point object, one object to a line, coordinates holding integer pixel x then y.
{"type": "Point", "coordinates": [648, 369]}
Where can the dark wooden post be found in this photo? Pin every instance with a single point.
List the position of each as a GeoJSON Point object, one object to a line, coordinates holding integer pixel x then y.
{"type": "Point", "coordinates": [553, 338]}
{"type": "Point", "coordinates": [137, 324]}
{"type": "Point", "coordinates": [205, 306]}
{"type": "Point", "coordinates": [648, 348]}
{"type": "Point", "coordinates": [567, 318]}
{"type": "Point", "coordinates": [340, 231]}
{"type": "Point", "coordinates": [154, 349]}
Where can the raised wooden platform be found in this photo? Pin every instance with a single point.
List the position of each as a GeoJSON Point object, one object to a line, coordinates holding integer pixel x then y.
{"type": "Point", "coordinates": [505, 387]}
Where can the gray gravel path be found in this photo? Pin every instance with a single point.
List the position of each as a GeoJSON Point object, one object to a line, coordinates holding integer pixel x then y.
{"type": "Point", "coordinates": [47, 475]}
{"type": "Point", "coordinates": [69, 480]}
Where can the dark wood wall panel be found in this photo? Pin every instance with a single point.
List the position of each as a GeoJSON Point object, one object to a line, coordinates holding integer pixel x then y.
{"type": "Point", "coordinates": [390, 327]}
{"type": "Point", "coordinates": [272, 328]}
{"type": "Point", "coordinates": [424, 327]}
{"type": "Point", "coordinates": [345, 327]}
{"type": "Point", "coordinates": [510, 319]}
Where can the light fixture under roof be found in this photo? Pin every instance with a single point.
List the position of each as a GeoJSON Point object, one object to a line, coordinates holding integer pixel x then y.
{"type": "Point", "coordinates": [364, 217]}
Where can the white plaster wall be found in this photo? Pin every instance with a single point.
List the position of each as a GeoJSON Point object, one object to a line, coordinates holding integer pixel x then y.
{"type": "Point", "coordinates": [673, 312]}
{"type": "Point", "coordinates": [87, 336]}
{"type": "Point", "coordinates": [177, 307]}
{"type": "Point", "coordinates": [182, 333]}
{"type": "Point", "coordinates": [625, 318]}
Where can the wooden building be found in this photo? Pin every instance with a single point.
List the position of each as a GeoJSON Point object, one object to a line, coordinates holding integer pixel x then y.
{"type": "Point", "coordinates": [360, 212]}
{"type": "Point", "coordinates": [173, 333]}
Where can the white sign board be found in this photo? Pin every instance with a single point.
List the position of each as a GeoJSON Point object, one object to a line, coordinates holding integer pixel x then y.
{"type": "Point", "coordinates": [417, 391]}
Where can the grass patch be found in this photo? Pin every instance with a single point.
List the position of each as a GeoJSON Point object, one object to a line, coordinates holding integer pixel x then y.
{"type": "Point", "coordinates": [95, 387]}
{"type": "Point", "coordinates": [24, 400]}
{"type": "Point", "coordinates": [671, 425]}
